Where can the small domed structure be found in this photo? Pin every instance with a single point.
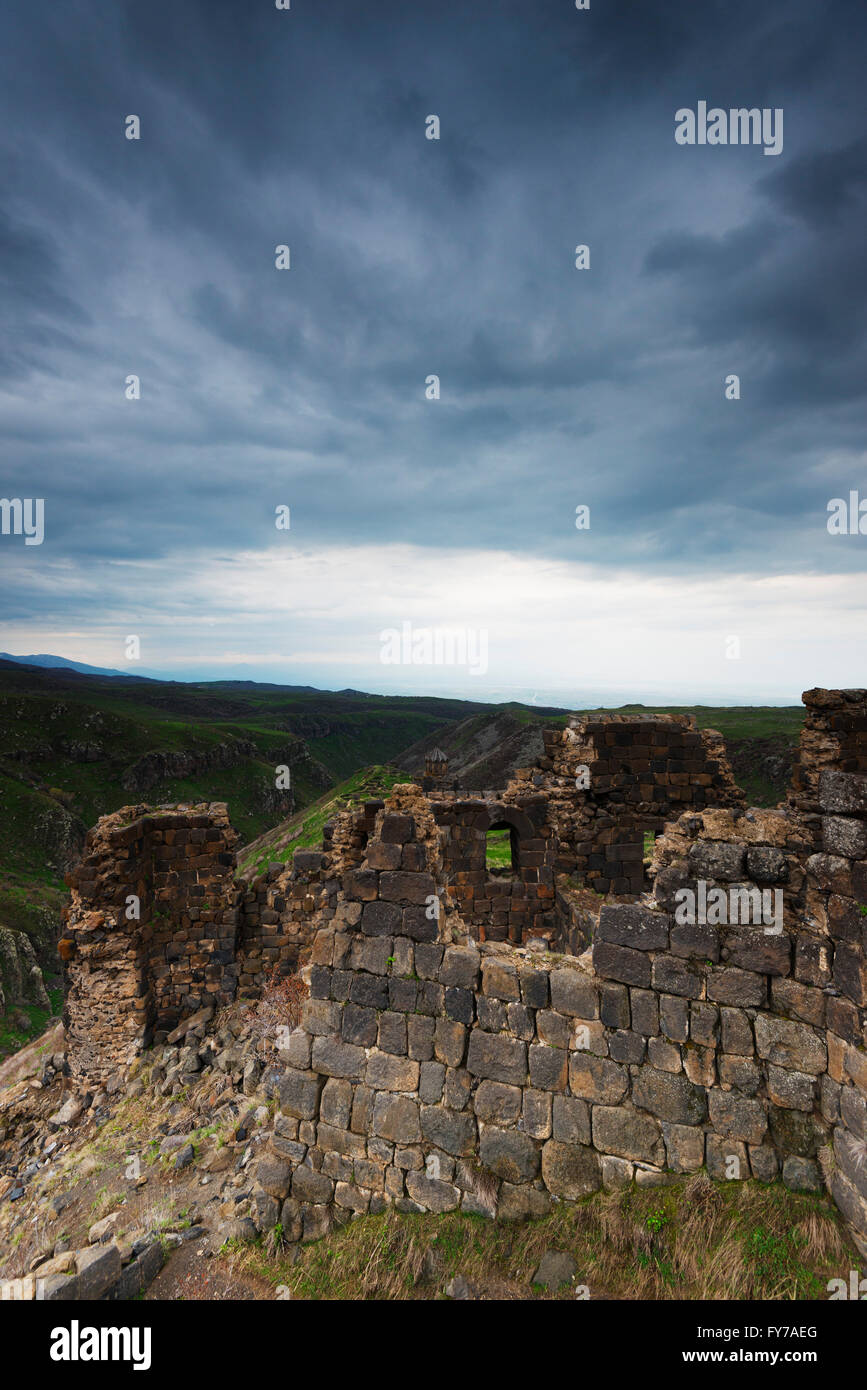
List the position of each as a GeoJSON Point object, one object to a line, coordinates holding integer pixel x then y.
{"type": "Point", "coordinates": [436, 763]}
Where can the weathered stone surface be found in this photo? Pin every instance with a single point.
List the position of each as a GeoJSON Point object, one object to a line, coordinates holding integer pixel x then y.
{"type": "Point", "coordinates": [717, 859]}
{"type": "Point", "coordinates": [450, 1041]}
{"type": "Point", "coordinates": [644, 1012]}
{"type": "Point", "coordinates": [843, 835]}
{"type": "Point", "coordinates": [573, 993]}
{"type": "Point", "coordinates": [636, 927]}
{"type": "Point", "coordinates": [570, 1170]}
{"type": "Point", "coordinates": [522, 1202]}
{"type": "Point", "coordinates": [695, 940]}
{"type": "Point", "coordinates": [727, 1159]}
{"type": "Point", "coordinates": [335, 1106]}
{"type": "Point", "coordinates": [802, 1174]}
{"type": "Point", "coordinates": [842, 793]}
{"type": "Point", "coordinates": [309, 1186]}
{"type": "Point", "coordinates": [555, 1270]}
{"type": "Point", "coordinates": [381, 919]}
{"type": "Point", "coordinates": [396, 1117]}
{"type": "Point", "coordinates": [672, 1098]}
{"type": "Point", "coordinates": [451, 1130]}
{"type": "Point", "coordinates": [387, 1073]}
{"type": "Point", "coordinates": [627, 1133]}
{"type": "Point", "coordinates": [684, 1147]}
{"type": "Point", "coordinates": [621, 963]}
{"type": "Point", "coordinates": [549, 1067]}
{"type": "Point", "coordinates": [764, 1162]}
{"type": "Point", "coordinates": [497, 1104]}
{"type": "Point", "coordinates": [460, 967]}
{"type": "Point", "coordinates": [597, 1079]}
{"type": "Point", "coordinates": [97, 1268]}
{"type": "Point", "coordinates": [794, 1132]}
{"type": "Point", "coordinates": [432, 1193]}
{"type": "Point", "coordinates": [401, 887]}
{"type": "Point", "coordinates": [733, 986]}
{"type": "Point", "coordinates": [671, 975]}
{"type": "Point", "coordinates": [794, 1090]}
{"type": "Point", "coordinates": [767, 953]}
{"type": "Point", "coordinates": [274, 1176]}
{"type": "Point", "coordinates": [766, 864]}
{"type": "Point", "coordinates": [333, 1057]}
{"type": "Point", "coordinates": [792, 1045]}
{"type": "Point", "coordinates": [737, 1117]}
{"type": "Point", "coordinates": [570, 1120]}
{"type": "Point", "coordinates": [497, 1058]}
{"type": "Point", "coordinates": [509, 1154]}
{"type": "Point", "coordinates": [298, 1094]}
{"type": "Point", "coordinates": [500, 979]}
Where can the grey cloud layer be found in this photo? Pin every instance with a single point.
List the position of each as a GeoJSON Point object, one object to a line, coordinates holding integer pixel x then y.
{"type": "Point", "coordinates": [413, 257]}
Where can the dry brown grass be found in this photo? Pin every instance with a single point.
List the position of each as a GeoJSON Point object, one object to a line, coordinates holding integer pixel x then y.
{"type": "Point", "coordinates": [697, 1240]}
{"type": "Point", "coordinates": [278, 1010]}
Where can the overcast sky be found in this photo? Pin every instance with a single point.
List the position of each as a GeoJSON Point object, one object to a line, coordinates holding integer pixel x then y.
{"type": "Point", "coordinates": [455, 257]}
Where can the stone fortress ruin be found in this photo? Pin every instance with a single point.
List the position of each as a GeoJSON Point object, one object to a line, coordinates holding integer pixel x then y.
{"type": "Point", "coordinates": [498, 1040]}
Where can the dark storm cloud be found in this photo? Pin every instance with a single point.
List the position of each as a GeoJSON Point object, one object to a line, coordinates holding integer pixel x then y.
{"type": "Point", "coordinates": [412, 257]}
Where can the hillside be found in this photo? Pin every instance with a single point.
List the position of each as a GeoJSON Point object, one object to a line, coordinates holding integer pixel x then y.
{"type": "Point", "coordinates": [77, 746]}
{"type": "Point", "coordinates": [485, 750]}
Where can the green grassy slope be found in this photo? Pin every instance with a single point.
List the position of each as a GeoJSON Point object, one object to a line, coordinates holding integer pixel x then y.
{"type": "Point", "coordinates": [68, 743]}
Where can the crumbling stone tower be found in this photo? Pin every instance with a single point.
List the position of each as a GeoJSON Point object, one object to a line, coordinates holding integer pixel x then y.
{"type": "Point", "coordinates": [150, 933]}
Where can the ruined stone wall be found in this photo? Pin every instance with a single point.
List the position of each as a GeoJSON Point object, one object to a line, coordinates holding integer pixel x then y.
{"type": "Point", "coordinates": [641, 771]}
{"type": "Point", "coordinates": [433, 1069]}
{"type": "Point", "coordinates": [283, 908]}
{"type": "Point", "coordinates": [432, 1072]}
{"type": "Point", "coordinates": [500, 907]}
{"type": "Point", "coordinates": [834, 736]}
{"type": "Point", "coordinates": [132, 970]}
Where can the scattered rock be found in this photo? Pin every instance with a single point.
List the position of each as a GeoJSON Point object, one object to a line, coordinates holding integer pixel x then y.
{"type": "Point", "coordinates": [555, 1269]}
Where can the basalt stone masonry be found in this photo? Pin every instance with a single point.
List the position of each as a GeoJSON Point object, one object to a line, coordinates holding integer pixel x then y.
{"type": "Point", "coordinates": [150, 934]}
{"type": "Point", "coordinates": [447, 1058]}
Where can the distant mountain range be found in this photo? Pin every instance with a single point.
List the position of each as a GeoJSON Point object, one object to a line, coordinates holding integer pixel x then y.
{"type": "Point", "coordinates": [46, 660]}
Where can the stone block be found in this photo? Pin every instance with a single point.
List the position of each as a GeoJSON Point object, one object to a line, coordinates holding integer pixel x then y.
{"type": "Point", "coordinates": [672, 976]}
{"type": "Point", "coordinates": [570, 1120]}
{"type": "Point", "coordinates": [626, 1133]}
{"type": "Point", "coordinates": [497, 1058]}
{"type": "Point", "coordinates": [310, 1186]}
{"type": "Point", "coordinates": [396, 1118]}
{"type": "Point", "coordinates": [298, 1094]}
{"type": "Point", "coordinates": [450, 1041]}
{"type": "Point", "coordinates": [431, 1193]}
{"type": "Point", "coordinates": [570, 1171]}
{"type": "Point", "coordinates": [549, 1067]}
{"type": "Point", "coordinates": [737, 1117]}
{"type": "Point", "coordinates": [597, 1079]}
{"type": "Point", "coordinates": [385, 1072]}
{"type": "Point", "coordinates": [509, 1154]}
{"type": "Point", "coordinates": [718, 860]}
{"type": "Point", "coordinates": [636, 927]}
{"type": "Point", "coordinates": [460, 967]}
{"type": "Point", "coordinates": [793, 1090]}
{"type": "Point", "coordinates": [741, 988]}
{"type": "Point", "coordinates": [621, 963]}
{"type": "Point", "coordinates": [335, 1105]}
{"type": "Point", "coordinates": [792, 1045]}
{"type": "Point", "coordinates": [500, 979]}
{"type": "Point", "coordinates": [672, 1098]}
{"type": "Point", "coordinates": [498, 1104]}
{"type": "Point", "coordinates": [573, 993]}
{"type": "Point", "coordinates": [453, 1131]}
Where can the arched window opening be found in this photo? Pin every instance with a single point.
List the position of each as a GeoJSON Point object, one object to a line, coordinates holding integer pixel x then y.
{"type": "Point", "coordinates": [501, 850]}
